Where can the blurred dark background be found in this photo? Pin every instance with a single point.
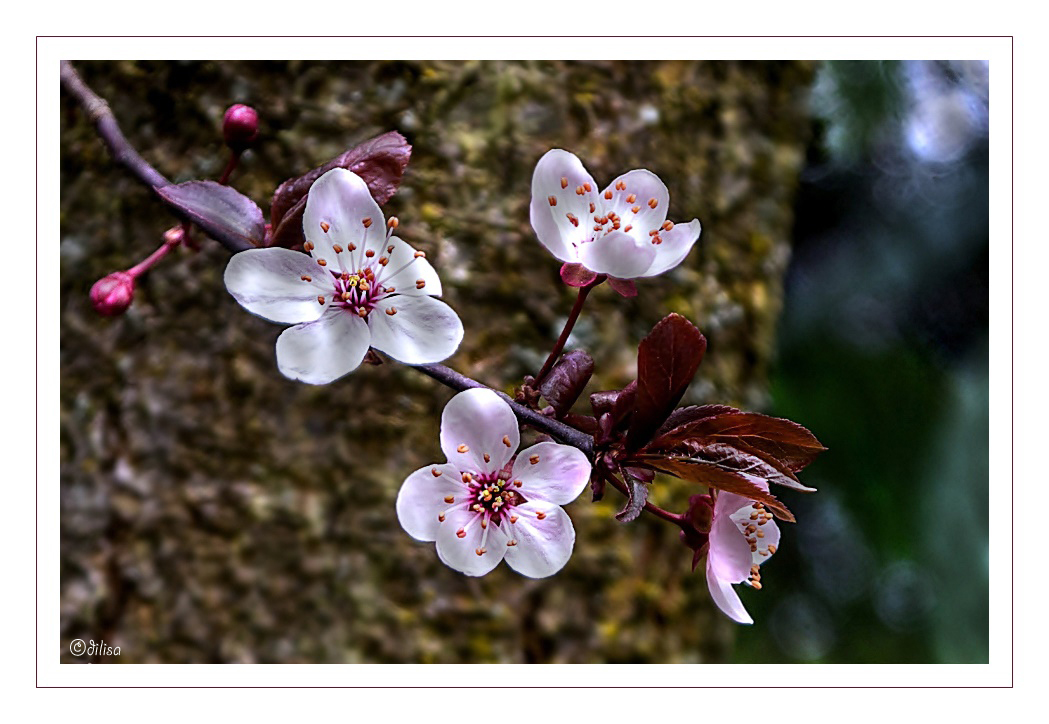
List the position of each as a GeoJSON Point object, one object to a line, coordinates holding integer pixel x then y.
{"type": "Point", "coordinates": [214, 511]}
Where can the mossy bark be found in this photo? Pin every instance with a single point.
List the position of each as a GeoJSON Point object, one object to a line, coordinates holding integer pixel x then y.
{"type": "Point", "coordinates": [215, 511]}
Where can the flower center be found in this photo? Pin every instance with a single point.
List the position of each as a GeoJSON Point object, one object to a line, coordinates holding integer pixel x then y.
{"type": "Point", "coordinates": [492, 494]}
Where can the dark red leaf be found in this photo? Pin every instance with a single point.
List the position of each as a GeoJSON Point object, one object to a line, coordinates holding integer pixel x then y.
{"type": "Point", "coordinates": [638, 496]}
{"type": "Point", "coordinates": [586, 423]}
{"type": "Point", "coordinates": [563, 385]}
{"type": "Point", "coordinates": [772, 437]}
{"type": "Point", "coordinates": [705, 473]}
{"type": "Point", "coordinates": [741, 458]}
{"type": "Point", "coordinates": [667, 360]}
{"type": "Point", "coordinates": [576, 275]}
{"type": "Point", "coordinates": [617, 403]}
{"type": "Point", "coordinates": [684, 415]}
{"type": "Point", "coordinates": [623, 287]}
{"type": "Point", "coordinates": [380, 161]}
{"type": "Point", "coordinates": [217, 209]}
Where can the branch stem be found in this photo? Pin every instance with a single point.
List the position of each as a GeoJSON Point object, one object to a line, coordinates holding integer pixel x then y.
{"type": "Point", "coordinates": [573, 316]}
{"type": "Point", "coordinates": [655, 510]}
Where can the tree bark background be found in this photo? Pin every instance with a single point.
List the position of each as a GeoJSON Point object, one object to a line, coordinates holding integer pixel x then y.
{"type": "Point", "coordinates": [214, 511]}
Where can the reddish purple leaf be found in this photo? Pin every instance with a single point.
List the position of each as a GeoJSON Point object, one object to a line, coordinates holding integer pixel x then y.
{"type": "Point", "coordinates": [667, 360]}
{"type": "Point", "coordinates": [684, 415]}
{"type": "Point", "coordinates": [577, 275]}
{"type": "Point", "coordinates": [769, 437]}
{"type": "Point", "coordinates": [565, 382]}
{"type": "Point", "coordinates": [619, 404]}
{"type": "Point", "coordinates": [740, 457]}
{"type": "Point", "coordinates": [705, 473]}
{"type": "Point", "coordinates": [218, 210]}
{"type": "Point", "coordinates": [380, 161]}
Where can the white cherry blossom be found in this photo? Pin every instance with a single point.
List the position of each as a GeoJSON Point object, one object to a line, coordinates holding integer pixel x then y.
{"type": "Point", "coordinates": [743, 535]}
{"type": "Point", "coordinates": [621, 231]}
{"type": "Point", "coordinates": [484, 506]}
{"type": "Point", "coordinates": [358, 286]}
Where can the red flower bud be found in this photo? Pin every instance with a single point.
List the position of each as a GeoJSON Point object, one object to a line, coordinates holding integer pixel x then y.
{"type": "Point", "coordinates": [112, 295]}
{"type": "Point", "coordinates": [240, 126]}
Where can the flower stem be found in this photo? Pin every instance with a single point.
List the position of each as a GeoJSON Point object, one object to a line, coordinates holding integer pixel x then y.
{"type": "Point", "coordinates": [573, 316]}
{"type": "Point", "coordinates": [234, 157]}
{"type": "Point", "coordinates": [153, 258]}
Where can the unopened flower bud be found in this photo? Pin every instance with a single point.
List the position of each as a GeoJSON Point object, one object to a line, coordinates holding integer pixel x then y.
{"type": "Point", "coordinates": [112, 295]}
{"type": "Point", "coordinates": [240, 126]}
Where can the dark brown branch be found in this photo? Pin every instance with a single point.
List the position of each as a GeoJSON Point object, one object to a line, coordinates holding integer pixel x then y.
{"type": "Point", "coordinates": [124, 153]}
{"type": "Point", "coordinates": [98, 110]}
{"type": "Point", "coordinates": [562, 432]}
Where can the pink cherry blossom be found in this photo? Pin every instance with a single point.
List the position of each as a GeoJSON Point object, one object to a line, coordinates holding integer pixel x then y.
{"type": "Point", "coordinates": [743, 535]}
{"type": "Point", "coordinates": [357, 287]}
{"type": "Point", "coordinates": [482, 508]}
{"type": "Point", "coordinates": [621, 231]}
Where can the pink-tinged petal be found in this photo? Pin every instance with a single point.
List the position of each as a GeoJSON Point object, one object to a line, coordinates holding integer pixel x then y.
{"type": "Point", "coordinates": [765, 526]}
{"type": "Point", "coordinates": [730, 556]}
{"type": "Point", "coordinates": [674, 247]}
{"type": "Point", "coordinates": [340, 201]}
{"type": "Point", "coordinates": [322, 351]}
{"type": "Point", "coordinates": [618, 255]}
{"type": "Point", "coordinates": [461, 551]}
{"type": "Point", "coordinates": [424, 498]}
{"type": "Point", "coordinates": [278, 284]}
{"type": "Point", "coordinates": [556, 200]}
{"type": "Point", "coordinates": [407, 273]}
{"type": "Point", "coordinates": [543, 546]}
{"type": "Point", "coordinates": [641, 190]}
{"type": "Point", "coordinates": [623, 287]}
{"type": "Point", "coordinates": [476, 423]}
{"type": "Point", "coordinates": [552, 472]}
{"type": "Point", "coordinates": [726, 598]}
{"type": "Point", "coordinates": [415, 330]}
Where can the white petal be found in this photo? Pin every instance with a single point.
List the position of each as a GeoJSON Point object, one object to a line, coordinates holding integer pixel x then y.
{"type": "Point", "coordinates": [558, 475]}
{"type": "Point", "coordinates": [618, 254]}
{"type": "Point", "coordinates": [543, 546]}
{"type": "Point", "coordinates": [322, 351]}
{"type": "Point", "coordinates": [423, 499]}
{"type": "Point", "coordinates": [730, 555]}
{"type": "Point", "coordinates": [476, 422]}
{"type": "Point", "coordinates": [675, 246]}
{"type": "Point", "coordinates": [340, 199]}
{"type": "Point", "coordinates": [461, 553]}
{"type": "Point", "coordinates": [726, 598]}
{"type": "Point", "coordinates": [553, 224]}
{"type": "Point", "coordinates": [420, 331]}
{"type": "Point", "coordinates": [642, 188]}
{"type": "Point", "coordinates": [405, 270]}
{"type": "Point", "coordinates": [269, 283]}
{"type": "Point", "coordinates": [769, 531]}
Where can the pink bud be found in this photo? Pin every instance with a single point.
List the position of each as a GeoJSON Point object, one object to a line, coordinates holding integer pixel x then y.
{"type": "Point", "coordinates": [240, 126]}
{"type": "Point", "coordinates": [112, 295]}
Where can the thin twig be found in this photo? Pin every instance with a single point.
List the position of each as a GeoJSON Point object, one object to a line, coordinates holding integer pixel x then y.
{"type": "Point", "coordinates": [650, 507]}
{"type": "Point", "coordinates": [124, 153]}
{"type": "Point", "coordinates": [569, 324]}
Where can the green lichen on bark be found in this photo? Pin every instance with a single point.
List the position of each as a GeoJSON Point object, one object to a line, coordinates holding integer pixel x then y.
{"type": "Point", "coordinates": [214, 511]}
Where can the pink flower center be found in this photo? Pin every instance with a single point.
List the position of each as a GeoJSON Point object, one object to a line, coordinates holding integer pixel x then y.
{"type": "Point", "coordinates": [493, 496]}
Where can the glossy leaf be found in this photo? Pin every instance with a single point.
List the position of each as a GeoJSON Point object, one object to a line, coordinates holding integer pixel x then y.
{"type": "Point", "coordinates": [667, 360]}
{"type": "Point", "coordinates": [706, 473]}
{"type": "Point", "coordinates": [771, 437]}
{"type": "Point", "coordinates": [685, 415]}
{"type": "Point", "coordinates": [565, 382]}
{"type": "Point", "coordinates": [741, 458]}
{"type": "Point", "coordinates": [380, 161]}
{"type": "Point", "coordinates": [638, 496]}
{"type": "Point", "coordinates": [217, 209]}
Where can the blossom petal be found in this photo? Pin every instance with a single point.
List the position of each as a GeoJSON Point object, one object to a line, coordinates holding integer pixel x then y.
{"type": "Point", "coordinates": [675, 246]}
{"type": "Point", "coordinates": [726, 598]}
{"type": "Point", "coordinates": [270, 283]}
{"type": "Point", "coordinates": [461, 553]}
{"type": "Point", "coordinates": [423, 498]}
{"type": "Point", "coordinates": [618, 254]}
{"type": "Point", "coordinates": [406, 270]}
{"type": "Point", "coordinates": [558, 475]}
{"type": "Point", "coordinates": [415, 330]}
{"type": "Point", "coordinates": [768, 529]}
{"type": "Point", "coordinates": [559, 175]}
{"type": "Point", "coordinates": [543, 546]}
{"type": "Point", "coordinates": [641, 188]}
{"type": "Point", "coordinates": [341, 201]}
{"type": "Point", "coordinates": [322, 351]}
{"type": "Point", "coordinates": [730, 556]}
{"type": "Point", "coordinates": [478, 422]}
